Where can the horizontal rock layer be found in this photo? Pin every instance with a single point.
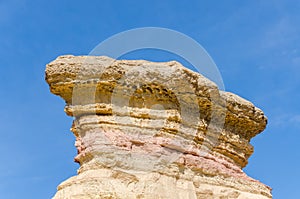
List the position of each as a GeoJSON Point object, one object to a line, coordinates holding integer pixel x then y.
{"type": "Point", "coordinates": [154, 130]}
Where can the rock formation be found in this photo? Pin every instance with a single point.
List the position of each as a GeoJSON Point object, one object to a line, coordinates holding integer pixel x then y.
{"type": "Point", "coordinates": [154, 130]}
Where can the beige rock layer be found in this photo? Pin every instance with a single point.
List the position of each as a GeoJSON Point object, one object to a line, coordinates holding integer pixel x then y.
{"type": "Point", "coordinates": [154, 130]}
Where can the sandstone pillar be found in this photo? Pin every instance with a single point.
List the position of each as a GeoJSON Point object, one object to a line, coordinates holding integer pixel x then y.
{"type": "Point", "coordinates": [154, 130]}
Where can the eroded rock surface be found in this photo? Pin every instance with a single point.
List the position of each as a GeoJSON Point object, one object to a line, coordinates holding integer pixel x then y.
{"type": "Point", "coordinates": [154, 130]}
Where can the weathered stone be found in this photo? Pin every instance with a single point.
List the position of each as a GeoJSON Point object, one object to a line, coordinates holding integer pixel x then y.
{"type": "Point", "coordinates": [154, 130]}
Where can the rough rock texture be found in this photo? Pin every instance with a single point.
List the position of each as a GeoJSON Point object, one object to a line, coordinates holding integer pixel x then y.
{"type": "Point", "coordinates": [154, 130]}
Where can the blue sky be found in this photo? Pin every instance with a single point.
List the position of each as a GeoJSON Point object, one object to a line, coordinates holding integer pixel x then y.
{"type": "Point", "coordinates": [255, 45]}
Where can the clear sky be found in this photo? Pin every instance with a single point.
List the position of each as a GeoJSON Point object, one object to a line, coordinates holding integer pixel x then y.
{"type": "Point", "coordinates": [254, 43]}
